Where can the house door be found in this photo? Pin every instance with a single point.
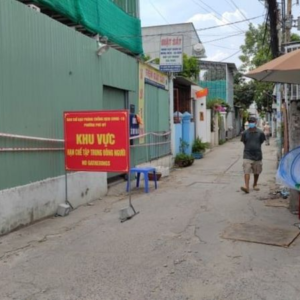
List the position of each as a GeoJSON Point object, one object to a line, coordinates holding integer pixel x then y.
{"type": "Point", "coordinates": [114, 99]}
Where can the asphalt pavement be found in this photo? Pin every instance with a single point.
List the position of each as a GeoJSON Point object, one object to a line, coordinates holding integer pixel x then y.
{"type": "Point", "coordinates": [172, 250]}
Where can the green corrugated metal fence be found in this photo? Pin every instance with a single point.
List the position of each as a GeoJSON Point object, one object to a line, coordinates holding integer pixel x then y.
{"type": "Point", "coordinates": [157, 121]}
{"type": "Point", "coordinates": [49, 68]}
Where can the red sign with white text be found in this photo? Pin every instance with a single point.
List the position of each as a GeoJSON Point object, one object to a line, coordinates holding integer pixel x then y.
{"type": "Point", "coordinates": [97, 141]}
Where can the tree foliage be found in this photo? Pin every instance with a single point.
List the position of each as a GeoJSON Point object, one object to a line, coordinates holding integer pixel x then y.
{"type": "Point", "coordinates": [295, 37]}
{"type": "Point", "coordinates": [191, 67]}
{"type": "Point", "coordinates": [243, 91]}
{"type": "Point", "coordinates": [256, 49]}
{"type": "Point", "coordinates": [263, 95]}
{"type": "Point", "coordinates": [255, 52]}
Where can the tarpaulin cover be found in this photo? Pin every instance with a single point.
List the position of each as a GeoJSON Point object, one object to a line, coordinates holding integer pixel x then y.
{"type": "Point", "coordinates": [288, 172]}
{"type": "Point", "coordinates": [102, 17]}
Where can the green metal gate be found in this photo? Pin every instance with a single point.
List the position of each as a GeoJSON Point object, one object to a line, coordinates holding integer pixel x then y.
{"type": "Point", "coordinates": [114, 99]}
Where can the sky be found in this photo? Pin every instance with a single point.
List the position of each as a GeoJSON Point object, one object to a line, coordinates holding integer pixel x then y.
{"type": "Point", "coordinates": [222, 43]}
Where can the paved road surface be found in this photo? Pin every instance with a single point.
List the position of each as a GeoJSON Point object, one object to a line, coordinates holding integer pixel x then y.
{"type": "Point", "coordinates": [172, 250]}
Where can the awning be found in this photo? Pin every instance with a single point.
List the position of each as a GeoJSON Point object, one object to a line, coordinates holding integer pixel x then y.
{"type": "Point", "coordinates": [184, 81]}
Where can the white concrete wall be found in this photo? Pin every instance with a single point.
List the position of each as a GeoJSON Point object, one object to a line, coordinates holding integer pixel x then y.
{"type": "Point", "coordinates": [208, 125]}
{"type": "Point", "coordinates": [25, 204]}
{"type": "Point", "coordinates": [200, 107]}
{"type": "Point", "coordinates": [223, 126]}
{"type": "Point", "coordinates": [230, 125]}
{"type": "Point", "coordinates": [201, 125]}
{"type": "Point", "coordinates": [163, 164]}
{"type": "Point", "coordinates": [215, 134]}
{"type": "Point", "coordinates": [171, 107]}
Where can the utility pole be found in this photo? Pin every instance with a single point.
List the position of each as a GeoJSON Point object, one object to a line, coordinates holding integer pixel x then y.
{"type": "Point", "coordinates": [274, 21]}
{"type": "Point", "coordinates": [283, 28]}
{"type": "Point", "coordinates": [289, 17]}
{"type": "Point", "coordinates": [294, 107]}
{"type": "Point", "coordinates": [293, 112]}
{"type": "Point", "coordinates": [273, 17]}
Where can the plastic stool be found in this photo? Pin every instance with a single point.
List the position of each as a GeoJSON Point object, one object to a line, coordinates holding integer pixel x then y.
{"type": "Point", "coordinates": [145, 171]}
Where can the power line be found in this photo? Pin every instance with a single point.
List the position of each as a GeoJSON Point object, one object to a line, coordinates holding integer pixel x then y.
{"type": "Point", "coordinates": [222, 18]}
{"type": "Point", "coordinates": [223, 47]}
{"type": "Point", "coordinates": [203, 42]}
{"type": "Point", "coordinates": [239, 10]}
{"type": "Point", "coordinates": [221, 34]}
{"type": "Point", "coordinates": [190, 46]}
{"type": "Point", "coordinates": [226, 24]}
{"type": "Point", "coordinates": [231, 55]}
{"type": "Point", "coordinates": [230, 4]}
{"type": "Point", "coordinates": [208, 11]}
{"type": "Point", "coordinates": [158, 11]}
{"type": "Point", "coordinates": [185, 33]}
{"type": "Point", "coordinates": [227, 37]}
{"type": "Point", "coordinates": [200, 29]}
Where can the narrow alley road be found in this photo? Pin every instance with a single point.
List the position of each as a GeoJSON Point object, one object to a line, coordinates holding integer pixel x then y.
{"type": "Point", "coordinates": [172, 250]}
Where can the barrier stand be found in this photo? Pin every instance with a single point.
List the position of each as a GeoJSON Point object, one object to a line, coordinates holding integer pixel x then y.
{"type": "Point", "coordinates": [129, 212]}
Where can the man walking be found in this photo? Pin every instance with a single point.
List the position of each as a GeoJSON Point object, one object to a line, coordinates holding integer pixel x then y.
{"type": "Point", "coordinates": [267, 132]}
{"type": "Point", "coordinates": [252, 138]}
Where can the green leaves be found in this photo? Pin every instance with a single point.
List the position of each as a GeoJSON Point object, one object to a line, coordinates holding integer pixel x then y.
{"type": "Point", "coordinates": [255, 52]}
{"type": "Point", "coordinates": [199, 146]}
{"type": "Point", "coordinates": [295, 37]}
{"type": "Point", "coordinates": [190, 68]}
{"type": "Point", "coordinates": [243, 92]}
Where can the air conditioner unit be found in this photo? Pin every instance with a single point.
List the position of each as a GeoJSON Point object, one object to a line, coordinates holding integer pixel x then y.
{"type": "Point", "coordinates": [34, 7]}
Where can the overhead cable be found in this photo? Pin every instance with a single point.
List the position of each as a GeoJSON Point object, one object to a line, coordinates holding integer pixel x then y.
{"type": "Point", "coordinates": [211, 9]}
{"type": "Point", "coordinates": [186, 31]}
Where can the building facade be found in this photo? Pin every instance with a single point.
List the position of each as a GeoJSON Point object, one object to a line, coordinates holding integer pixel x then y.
{"type": "Point", "coordinates": [49, 69]}
{"type": "Point", "coordinates": [191, 41]}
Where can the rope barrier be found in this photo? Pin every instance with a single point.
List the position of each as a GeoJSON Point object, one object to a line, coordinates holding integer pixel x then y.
{"type": "Point", "coordinates": [32, 138]}
{"type": "Point", "coordinates": [30, 149]}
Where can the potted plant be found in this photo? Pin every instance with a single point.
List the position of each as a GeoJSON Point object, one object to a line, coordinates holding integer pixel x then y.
{"type": "Point", "coordinates": [198, 148]}
{"type": "Point", "coordinates": [182, 159]}
{"type": "Point", "coordinates": [151, 176]}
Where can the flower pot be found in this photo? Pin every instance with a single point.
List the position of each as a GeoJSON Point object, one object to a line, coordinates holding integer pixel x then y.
{"type": "Point", "coordinates": [151, 176]}
{"type": "Point", "coordinates": [185, 162]}
{"type": "Point", "coordinates": [197, 155]}
{"type": "Point", "coordinates": [182, 163]}
{"type": "Point", "coordinates": [191, 161]}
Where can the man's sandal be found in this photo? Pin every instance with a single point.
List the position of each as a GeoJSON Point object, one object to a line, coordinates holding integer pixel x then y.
{"type": "Point", "coordinates": [245, 190]}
